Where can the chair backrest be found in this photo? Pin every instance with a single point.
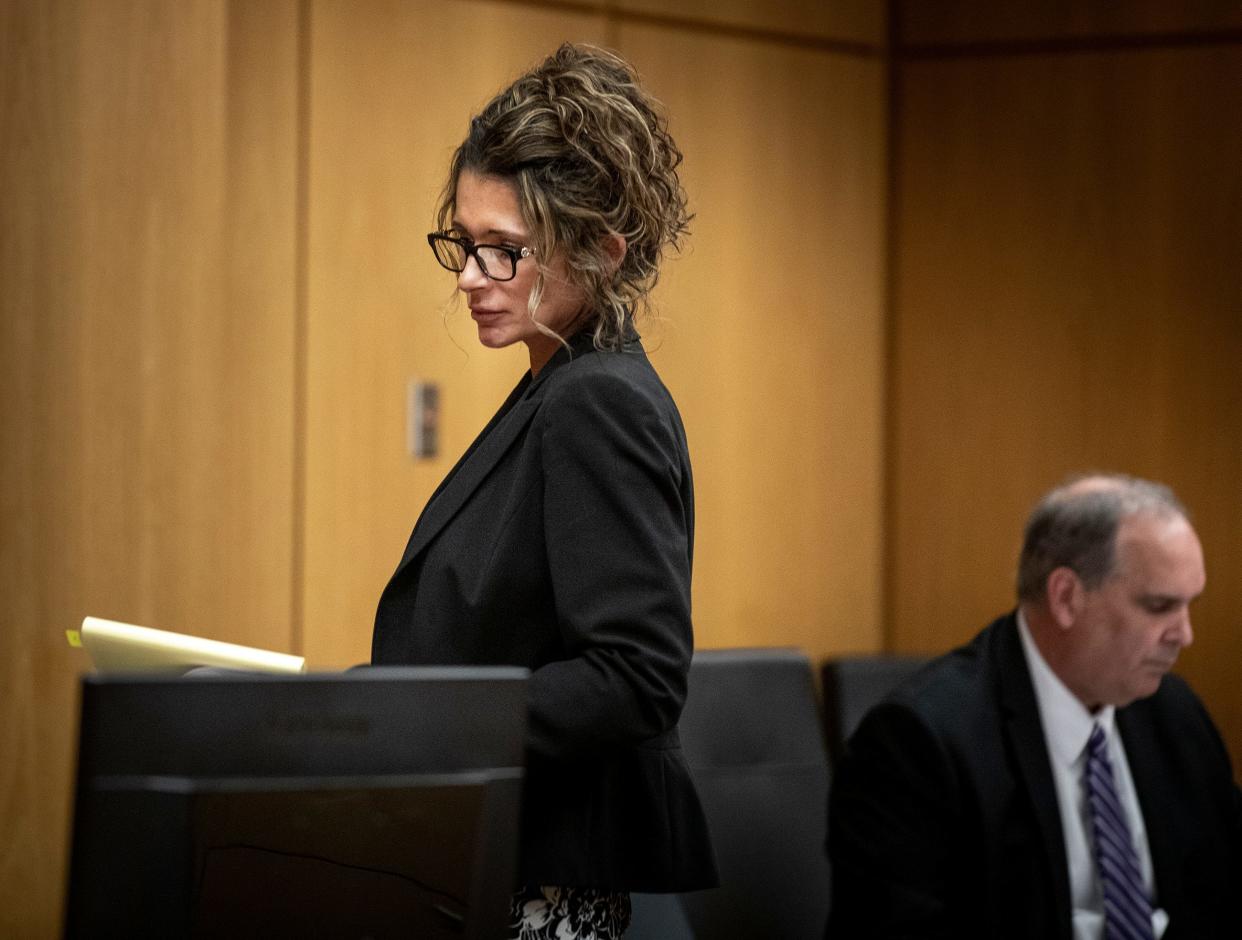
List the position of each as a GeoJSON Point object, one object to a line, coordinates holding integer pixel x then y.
{"type": "Point", "coordinates": [752, 735]}
{"type": "Point", "coordinates": [854, 684]}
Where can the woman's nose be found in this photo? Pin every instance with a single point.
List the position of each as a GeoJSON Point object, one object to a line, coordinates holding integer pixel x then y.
{"type": "Point", "coordinates": [471, 276]}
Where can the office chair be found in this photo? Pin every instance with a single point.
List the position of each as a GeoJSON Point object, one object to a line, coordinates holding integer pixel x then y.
{"type": "Point", "coordinates": [753, 738]}
{"type": "Point", "coordinates": [853, 684]}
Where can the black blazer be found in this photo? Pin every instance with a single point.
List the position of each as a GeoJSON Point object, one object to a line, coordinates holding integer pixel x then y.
{"type": "Point", "coordinates": [562, 542]}
{"type": "Point", "coordinates": [943, 818]}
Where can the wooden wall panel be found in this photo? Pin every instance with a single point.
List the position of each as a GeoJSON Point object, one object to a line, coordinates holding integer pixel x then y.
{"type": "Point", "coordinates": [1067, 298]}
{"type": "Point", "coordinates": [853, 21]}
{"type": "Point", "coordinates": [393, 87]}
{"type": "Point", "coordinates": [38, 425]}
{"type": "Point", "coordinates": [146, 253]}
{"type": "Point", "coordinates": [772, 335]}
{"type": "Point", "coordinates": [967, 21]}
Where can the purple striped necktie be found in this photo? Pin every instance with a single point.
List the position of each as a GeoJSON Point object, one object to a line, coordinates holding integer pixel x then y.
{"type": "Point", "coordinates": [1127, 907]}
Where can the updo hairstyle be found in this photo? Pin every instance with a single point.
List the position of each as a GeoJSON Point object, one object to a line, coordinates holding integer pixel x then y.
{"type": "Point", "coordinates": [589, 155]}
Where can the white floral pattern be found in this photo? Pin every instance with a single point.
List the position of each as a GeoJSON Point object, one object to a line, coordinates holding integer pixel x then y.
{"type": "Point", "coordinates": [554, 913]}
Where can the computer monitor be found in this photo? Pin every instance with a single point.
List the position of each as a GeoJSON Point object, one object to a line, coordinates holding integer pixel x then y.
{"type": "Point", "coordinates": [379, 802]}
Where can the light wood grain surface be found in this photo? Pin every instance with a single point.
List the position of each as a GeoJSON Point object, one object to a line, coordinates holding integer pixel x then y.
{"type": "Point", "coordinates": [146, 313]}
{"type": "Point", "coordinates": [772, 339]}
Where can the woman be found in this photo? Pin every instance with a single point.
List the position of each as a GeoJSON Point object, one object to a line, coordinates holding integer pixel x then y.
{"type": "Point", "coordinates": [562, 539]}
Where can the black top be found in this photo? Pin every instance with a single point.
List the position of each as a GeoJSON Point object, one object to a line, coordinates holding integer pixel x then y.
{"type": "Point", "coordinates": [562, 542]}
{"type": "Point", "coordinates": [944, 822]}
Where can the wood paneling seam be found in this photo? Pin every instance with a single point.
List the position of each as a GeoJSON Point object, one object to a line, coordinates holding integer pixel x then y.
{"type": "Point", "coordinates": [301, 316]}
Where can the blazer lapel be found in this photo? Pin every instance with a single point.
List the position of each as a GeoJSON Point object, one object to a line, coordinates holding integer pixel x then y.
{"type": "Point", "coordinates": [492, 443]}
{"type": "Point", "coordinates": [501, 413]}
{"type": "Point", "coordinates": [469, 473]}
{"type": "Point", "coordinates": [1026, 740]}
{"type": "Point", "coordinates": [1153, 785]}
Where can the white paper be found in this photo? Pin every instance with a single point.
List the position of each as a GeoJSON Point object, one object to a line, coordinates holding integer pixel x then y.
{"type": "Point", "coordinates": [125, 647]}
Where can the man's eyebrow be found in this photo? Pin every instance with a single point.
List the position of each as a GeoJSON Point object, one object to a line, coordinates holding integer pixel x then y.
{"type": "Point", "coordinates": [1158, 597]}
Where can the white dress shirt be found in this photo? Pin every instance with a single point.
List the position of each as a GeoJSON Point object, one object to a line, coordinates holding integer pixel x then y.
{"type": "Point", "coordinates": [1067, 725]}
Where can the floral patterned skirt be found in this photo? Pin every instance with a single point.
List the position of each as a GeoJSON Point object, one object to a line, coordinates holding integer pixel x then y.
{"type": "Point", "coordinates": [550, 913]}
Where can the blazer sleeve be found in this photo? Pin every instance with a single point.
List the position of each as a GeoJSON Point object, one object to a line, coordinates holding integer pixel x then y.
{"type": "Point", "coordinates": [894, 821]}
{"type": "Point", "coordinates": [617, 531]}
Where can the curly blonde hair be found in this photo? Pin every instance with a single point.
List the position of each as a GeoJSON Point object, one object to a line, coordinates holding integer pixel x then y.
{"type": "Point", "coordinates": [589, 154]}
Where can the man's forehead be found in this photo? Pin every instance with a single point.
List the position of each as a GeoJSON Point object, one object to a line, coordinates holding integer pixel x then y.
{"type": "Point", "coordinates": [1153, 528]}
{"type": "Point", "coordinates": [1162, 550]}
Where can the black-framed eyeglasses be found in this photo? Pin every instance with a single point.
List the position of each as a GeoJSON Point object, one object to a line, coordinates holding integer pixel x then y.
{"type": "Point", "coordinates": [498, 262]}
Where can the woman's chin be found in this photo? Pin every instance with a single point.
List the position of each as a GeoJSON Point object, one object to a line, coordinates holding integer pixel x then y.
{"type": "Point", "coordinates": [494, 338]}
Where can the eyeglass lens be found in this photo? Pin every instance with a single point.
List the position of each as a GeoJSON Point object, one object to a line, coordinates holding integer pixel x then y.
{"type": "Point", "coordinates": [496, 262]}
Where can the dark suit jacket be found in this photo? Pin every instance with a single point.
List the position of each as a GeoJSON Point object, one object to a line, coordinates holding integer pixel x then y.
{"type": "Point", "coordinates": [943, 818]}
{"type": "Point", "coordinates": [562, 542]}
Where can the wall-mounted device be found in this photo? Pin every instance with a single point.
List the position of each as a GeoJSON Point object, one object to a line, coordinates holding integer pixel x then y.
{"type": "Point", "coordinates": [422, 416]}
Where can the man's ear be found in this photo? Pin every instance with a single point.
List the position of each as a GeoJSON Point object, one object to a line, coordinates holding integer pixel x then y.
{"type": "Point", "coordinates": [1065, 596]}
{"type": "Point", "coordinates": [614, 247]}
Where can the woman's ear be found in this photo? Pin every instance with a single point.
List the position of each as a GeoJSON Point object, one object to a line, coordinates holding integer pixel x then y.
{"type": "Point", "coordinates": [614, 247]}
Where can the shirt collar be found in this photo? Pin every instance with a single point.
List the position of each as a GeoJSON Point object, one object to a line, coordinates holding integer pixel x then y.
{"type": "Point", "coordinates": [1067, 722]}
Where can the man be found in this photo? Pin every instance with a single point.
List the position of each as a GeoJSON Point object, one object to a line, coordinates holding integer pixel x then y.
{"type": "Point", "coordinates": [1051, 780]}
